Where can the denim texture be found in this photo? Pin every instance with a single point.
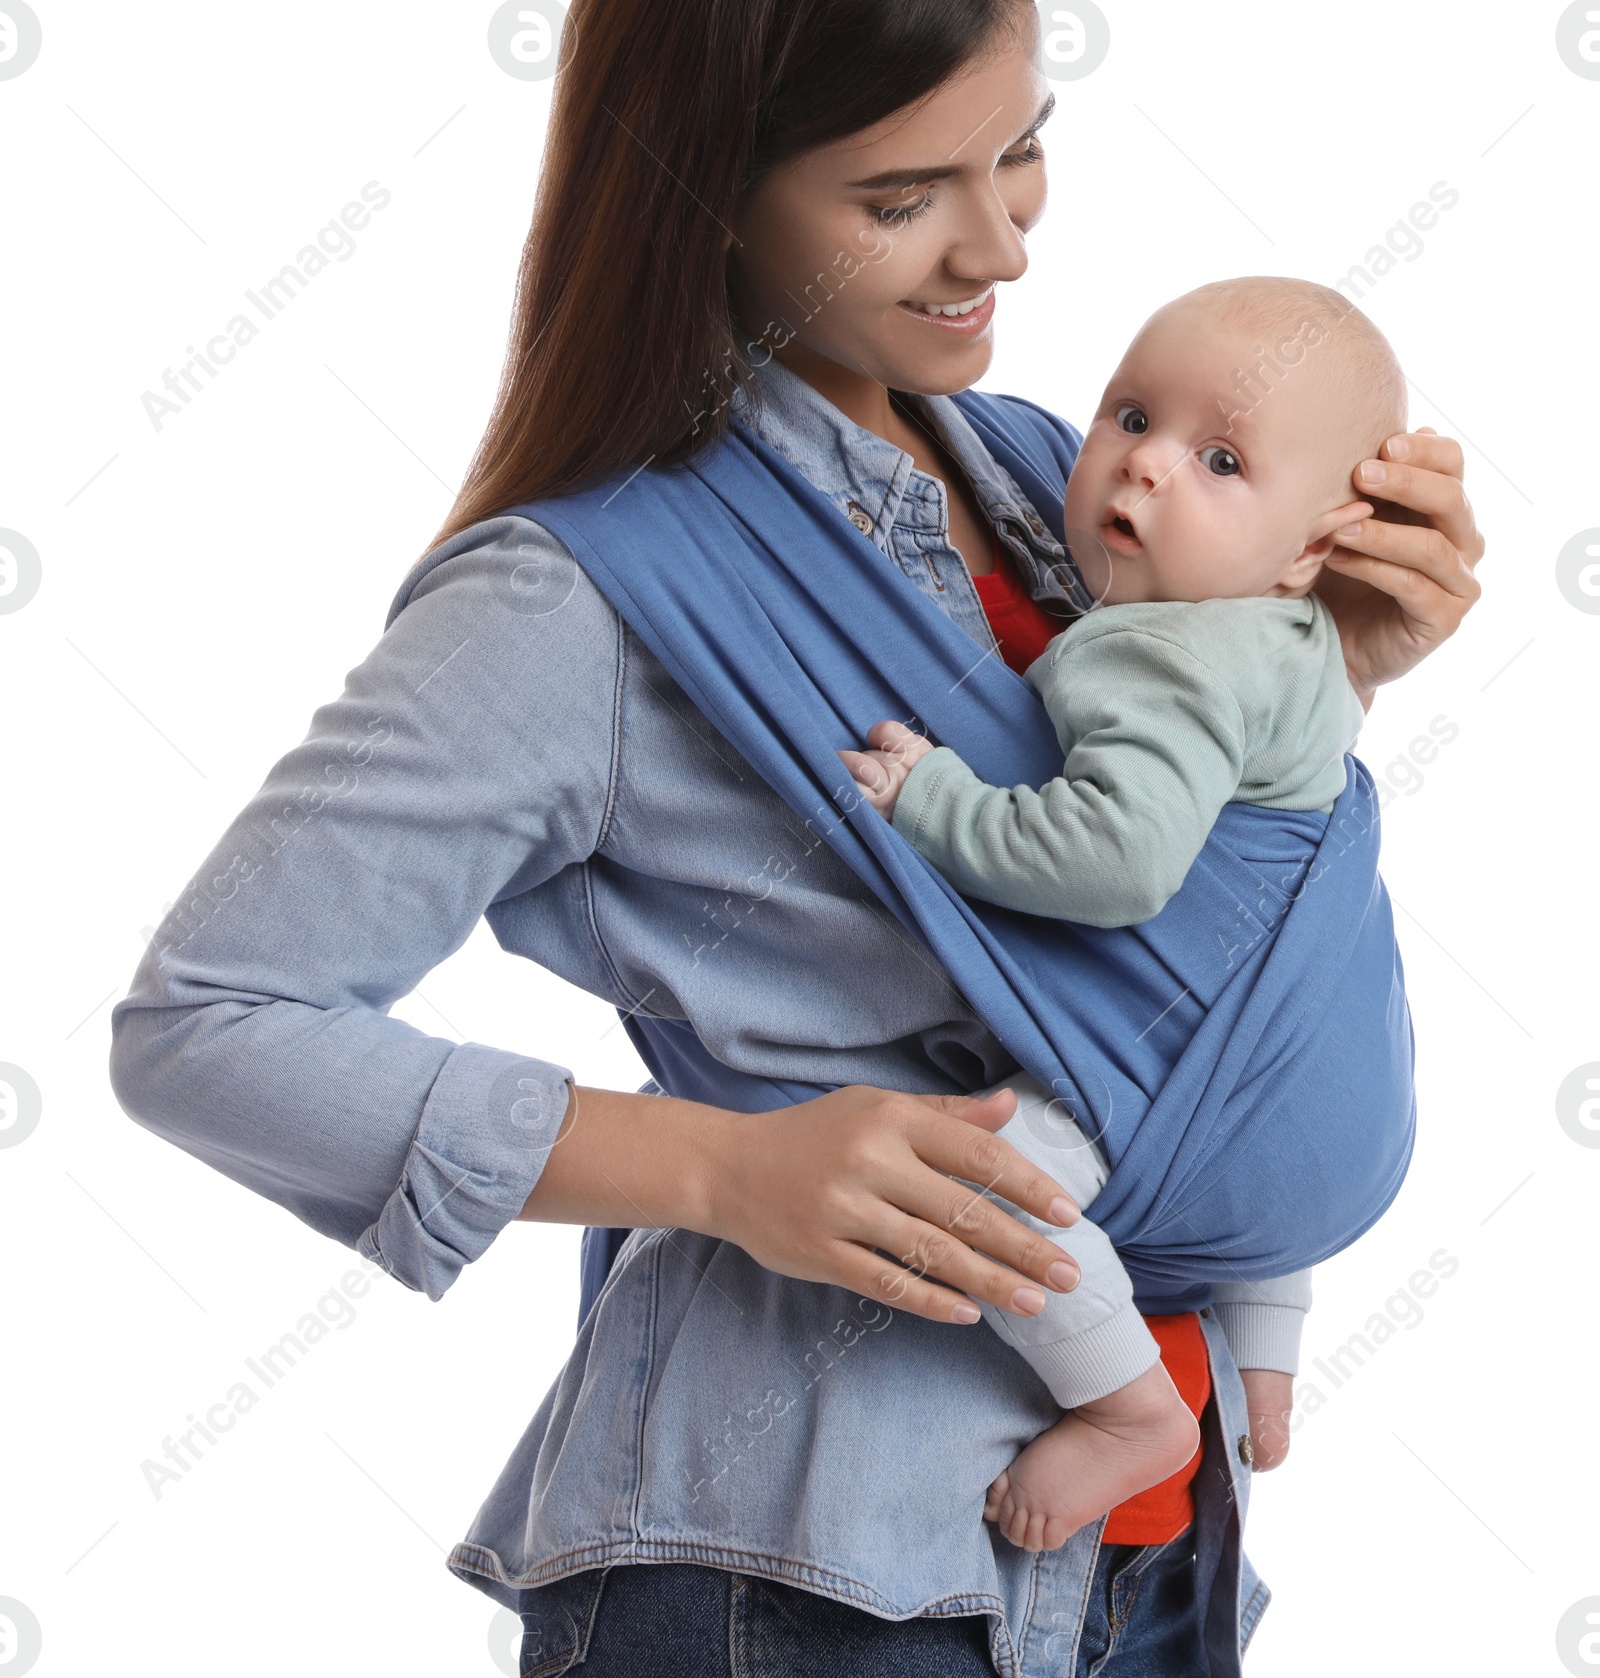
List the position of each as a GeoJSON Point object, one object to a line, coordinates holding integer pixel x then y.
{"type": "Point", "coordinates": [1142, 1620]}
{"type": "Point", "coordinates": [683, 1620]}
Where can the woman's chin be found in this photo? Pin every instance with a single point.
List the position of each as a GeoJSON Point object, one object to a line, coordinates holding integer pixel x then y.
{"type": "Point", "coordinates": [945, 370]}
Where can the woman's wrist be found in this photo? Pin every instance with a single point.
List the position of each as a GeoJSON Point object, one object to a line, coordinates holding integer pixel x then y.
{"type": "Point", "coordinates": [633, 1161]}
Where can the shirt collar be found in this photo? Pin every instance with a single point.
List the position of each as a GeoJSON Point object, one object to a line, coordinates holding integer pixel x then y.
{"type": "Point", "coordinates": [867, 477]}
{"type": "Point", "coordinates": [855, 468]}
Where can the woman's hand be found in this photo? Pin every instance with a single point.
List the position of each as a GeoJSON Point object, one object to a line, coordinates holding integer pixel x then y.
{"type": "Point", "coordinates": [1401, 581]}
{"type": "Point", "coordinates": [815, 1190]}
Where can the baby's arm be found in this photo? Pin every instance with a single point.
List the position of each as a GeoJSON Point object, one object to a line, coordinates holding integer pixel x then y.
{"type": "Point", "coordinates": [1154, 742]}
{"type": "Point", "coordinates": [1263, 1320]}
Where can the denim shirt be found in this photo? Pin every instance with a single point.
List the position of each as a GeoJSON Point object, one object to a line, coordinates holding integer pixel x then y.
{"type": "Point", "coordinates": [510, 750]}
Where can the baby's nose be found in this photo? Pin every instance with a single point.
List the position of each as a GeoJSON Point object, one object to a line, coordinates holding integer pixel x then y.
{"type": "Point", "coordinates": [1148, 466]}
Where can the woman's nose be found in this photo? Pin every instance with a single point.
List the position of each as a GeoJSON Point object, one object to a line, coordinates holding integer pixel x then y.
{"type": "Point", "coordinates": [991, 245]}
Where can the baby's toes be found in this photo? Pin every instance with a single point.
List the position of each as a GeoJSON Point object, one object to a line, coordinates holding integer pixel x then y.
{"type": "Point", "coordinates": [1057, 1532]}
{"type": "Point", "coordinates": [996, 1494]}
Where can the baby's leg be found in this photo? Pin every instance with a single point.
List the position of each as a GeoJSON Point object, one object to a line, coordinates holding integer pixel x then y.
{"type": "Point", "coordinates": [1091, 1341]}
{"type": "Point", "coordinates": [1127, 1427]}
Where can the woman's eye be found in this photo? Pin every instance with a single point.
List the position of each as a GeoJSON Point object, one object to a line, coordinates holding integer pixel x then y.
{"type": "Point", "coordinates": [1032, 153]}
{"type": "Point", "coordinates": [1221, 461]}
{"type": "Point", "coordinates": [897, 215]}
{"type": "Point", "coordinates": [1131, 418]}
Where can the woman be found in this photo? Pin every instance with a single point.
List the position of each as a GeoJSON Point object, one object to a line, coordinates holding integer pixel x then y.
{"type": "Point", "coordinates": [762, 1404]}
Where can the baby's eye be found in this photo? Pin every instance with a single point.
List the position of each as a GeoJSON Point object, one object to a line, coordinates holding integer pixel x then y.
{"type": "Point", "coordinates": [1223, 461]}
{"type": "Point", "coordinates": [1130, 417]}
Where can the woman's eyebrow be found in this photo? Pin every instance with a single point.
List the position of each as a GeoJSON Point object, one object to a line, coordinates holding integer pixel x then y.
{"type": "Point", "coordinates": [892, 178]}
{"type": "Point", "coordinates": [1046, 111]}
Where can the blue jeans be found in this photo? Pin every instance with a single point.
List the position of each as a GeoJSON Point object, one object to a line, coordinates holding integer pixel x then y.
{"type": "Point", "coordinates": [1141, 1619]}
{"type": "Point", "coordinates": [686, 1620]}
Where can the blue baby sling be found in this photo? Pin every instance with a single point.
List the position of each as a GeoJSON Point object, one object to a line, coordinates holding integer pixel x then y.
{"type": "Point", "coordinates": [1244, 1058]}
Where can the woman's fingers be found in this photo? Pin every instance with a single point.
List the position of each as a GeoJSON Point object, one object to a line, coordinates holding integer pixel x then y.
{"type": "Point", "coordinates": [948, 1230]}
{"type": "Point", "coordinates": [1422, 533]}
{"type": "Point", "coordinates": [940, 1230]}
{"type": "Point", "coordinates": [1426, 553]}
{"type": "Point", "coordinates": [1425, 448]}
{"type": "Point", "coordinates": [858, 1188]}
{"type": "Point", "coordinates": [1400, 582]}
{"type": "Point", "coordinates": [992, 1161]}
{"type": "Point", "coordinates": [944, 1252]}
{"type": "Point", "coordinates": [1421, 598]}
{"type": "Point", "coordinates": [1422, 473]}
{"type": "Point", "coordinates": [1353, 512]}
{"type": "Point", "coordinates": [873, 1276]}
{"type": "Point", "coordinates": [993, 1111]}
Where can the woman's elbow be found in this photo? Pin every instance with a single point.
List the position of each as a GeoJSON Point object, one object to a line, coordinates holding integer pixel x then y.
{"type": "Point", "coordinates": [135, 1062]}
{"type": "Point", "coordinates": [147, 1059]}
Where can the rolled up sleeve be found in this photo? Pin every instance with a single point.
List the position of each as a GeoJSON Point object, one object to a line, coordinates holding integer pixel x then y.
{"type": "Point", "coordinates": [487, 1128]}
{"type": "Point", "coordinates": [469, 758]}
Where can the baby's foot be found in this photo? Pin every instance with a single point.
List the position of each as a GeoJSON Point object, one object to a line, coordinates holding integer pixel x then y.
{"type": "Point", "coordinates": [1094, 1458]}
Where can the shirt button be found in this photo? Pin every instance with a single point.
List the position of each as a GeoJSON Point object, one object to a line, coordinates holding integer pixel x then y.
{"type": "Point", "coordinates": [1036, 524]}
{"type": "Point", "coordinates": [861, 518]}
{"type": "Point", "coordinates": [1247, 1451]}
{"type": "Point", "coordinates": [1205, 1311]}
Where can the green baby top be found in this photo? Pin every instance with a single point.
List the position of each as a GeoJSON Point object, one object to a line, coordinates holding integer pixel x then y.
{"type": "Point", "coordinates": [1166, 711]}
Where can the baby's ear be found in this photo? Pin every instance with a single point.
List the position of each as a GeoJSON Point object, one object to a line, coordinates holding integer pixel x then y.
{"type": "Point", "coordinates": [1324, 538]}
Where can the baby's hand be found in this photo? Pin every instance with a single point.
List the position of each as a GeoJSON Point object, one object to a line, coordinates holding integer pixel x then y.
{"type": "Point", "coordinates": [882, 771]}
{"type": "Point", "coordinates": [1269, 1397]}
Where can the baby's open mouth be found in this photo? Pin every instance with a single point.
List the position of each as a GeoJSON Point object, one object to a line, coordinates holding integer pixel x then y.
{"type": "Point", "coordinates": [1118, 534]}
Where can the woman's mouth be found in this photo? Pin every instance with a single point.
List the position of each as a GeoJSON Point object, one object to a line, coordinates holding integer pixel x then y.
{"type": "Point", "coordinates": [966, 317]}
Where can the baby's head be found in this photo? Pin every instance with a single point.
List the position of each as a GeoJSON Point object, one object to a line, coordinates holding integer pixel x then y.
{"type": "Point", "coordinates": [1219, 461]}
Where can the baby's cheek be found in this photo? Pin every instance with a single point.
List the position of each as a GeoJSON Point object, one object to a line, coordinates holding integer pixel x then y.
{"type": "Point", "coordinates": [1218, 561]}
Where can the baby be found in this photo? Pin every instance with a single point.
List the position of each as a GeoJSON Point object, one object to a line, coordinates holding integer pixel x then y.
{"type": "Point", "coordinates": [1199, 511]}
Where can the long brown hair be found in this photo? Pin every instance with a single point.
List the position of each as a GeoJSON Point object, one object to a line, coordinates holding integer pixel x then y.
{"type": "Point", "coordinates": [623, 349]}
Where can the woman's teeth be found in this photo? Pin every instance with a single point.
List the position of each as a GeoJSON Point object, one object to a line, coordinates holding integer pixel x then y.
{"type": "Point", "coordinates": [955, 309]}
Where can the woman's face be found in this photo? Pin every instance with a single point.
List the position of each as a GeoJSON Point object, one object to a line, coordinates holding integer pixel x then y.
{"type": "Point", "coordinates": [845, 251]}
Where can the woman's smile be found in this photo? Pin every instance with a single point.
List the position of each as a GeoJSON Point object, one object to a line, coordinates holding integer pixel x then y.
{"type": "Point", "coordinates": [967, 317]}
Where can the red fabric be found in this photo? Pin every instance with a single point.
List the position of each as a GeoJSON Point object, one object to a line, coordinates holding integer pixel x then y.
{"type": "Point", "coordinates": [1023, 627]}
{"type": "Point", "coordinates": [1160, 1514]}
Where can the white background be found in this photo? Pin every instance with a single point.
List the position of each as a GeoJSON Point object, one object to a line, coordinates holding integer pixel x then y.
{"type": "Point", "coordinates": [206, 586]}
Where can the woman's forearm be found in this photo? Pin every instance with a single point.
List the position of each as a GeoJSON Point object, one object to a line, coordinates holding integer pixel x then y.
{"type": "Point", "coordinates": [820, 1190]}
{"type": "Point", "coordinates": [631, 1162]}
